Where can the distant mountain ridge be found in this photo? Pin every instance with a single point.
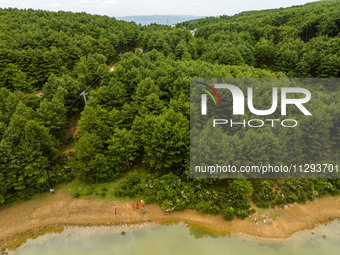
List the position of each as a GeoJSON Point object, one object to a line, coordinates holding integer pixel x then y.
{"type": "Point", "coordinates": [159, 19]}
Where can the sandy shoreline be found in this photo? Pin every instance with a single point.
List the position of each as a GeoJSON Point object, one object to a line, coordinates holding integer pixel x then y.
{"type": "Point", "coordinates": [51, 213]}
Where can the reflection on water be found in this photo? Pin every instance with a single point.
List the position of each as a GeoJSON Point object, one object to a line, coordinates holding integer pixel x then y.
{"type": "Point", "coordinates": [152, 239]}
{"type": "Point", "coordinates": [199, 232]}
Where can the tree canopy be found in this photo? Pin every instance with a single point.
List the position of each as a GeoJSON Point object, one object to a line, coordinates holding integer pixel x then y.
{"type": "Point", "coordinates": [139, 113]}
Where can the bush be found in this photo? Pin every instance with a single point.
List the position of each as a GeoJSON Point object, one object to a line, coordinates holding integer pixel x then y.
{"type": "Point", "coordinates": [207, 207]}
{"type": "Point", "coordinates": [131, 187]}
{"type": "Point", "coordinates": [76, 195]}
{"type": "Point", "coordinates": [172, 193]}
{"type": "Point", "coordinates": [243, 213]}
{"type": "Point", "coordinates": [263, 195]}
{"type": "Point", "coordinates": [3, 251]}
{"type": "Point", "coordinates": [168, 206]}
{"type": "Point", "coordinates": [228, 213]}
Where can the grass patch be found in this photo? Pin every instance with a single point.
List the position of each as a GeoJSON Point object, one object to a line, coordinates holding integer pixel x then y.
{"type": "Point", "coordinates": [78, 188]}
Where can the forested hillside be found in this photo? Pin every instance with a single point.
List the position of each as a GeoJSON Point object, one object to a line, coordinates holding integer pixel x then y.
{"type": "Point", "coordinates": [36, 44]}
{"type": "Point", "coordinates": [139, 113]}
{"type": "Point", "coordinates": [301, 41]}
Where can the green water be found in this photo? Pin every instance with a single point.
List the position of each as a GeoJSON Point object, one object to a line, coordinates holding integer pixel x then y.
{"type": "Point", "coordinates": [179, 239]}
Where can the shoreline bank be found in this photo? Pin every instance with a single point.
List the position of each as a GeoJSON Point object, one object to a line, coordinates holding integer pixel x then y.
{"type": "Point", "coordinates": [51, 213]}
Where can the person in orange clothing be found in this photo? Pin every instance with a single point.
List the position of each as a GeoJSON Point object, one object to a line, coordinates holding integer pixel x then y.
{"type": "Point", "coordinates": [142, 201]}
{"type": "Point", "coordinates": [137, 205]}
{"type": "Point", "coordinates": [133, 207]}
{"type": "Point", "coordinates": [115, 211]}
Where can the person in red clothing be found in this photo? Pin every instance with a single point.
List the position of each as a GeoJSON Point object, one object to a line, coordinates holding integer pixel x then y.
{"type": "Point", "coordinates": [137, 205]}
{"type": "Point", "coordinates": [115, 211]}
{"type": "Point", "coordinates": [133, 207]}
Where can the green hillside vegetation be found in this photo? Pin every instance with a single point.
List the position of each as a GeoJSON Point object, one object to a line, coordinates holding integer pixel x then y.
{"type": "Point", "coordinates": [139, 114]}
{"type": "Point", "coordinates": [36, 44]}
{"type": "Point", "coordinates": [301, 41]}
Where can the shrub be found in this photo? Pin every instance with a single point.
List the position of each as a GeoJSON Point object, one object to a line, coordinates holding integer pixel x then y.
{"type": "Point", "coordinates": [76, 195]}
{"type": "Point", "coordinates": [207, 207]}
{"type": "Point", "coordinates": [263, 194]}
{"type": "Point", "coordinates": [228, 213]}
{"type": "Point", "coordinates": [131, 187]}
{"type": "Point", "coordinates": [167, 206]}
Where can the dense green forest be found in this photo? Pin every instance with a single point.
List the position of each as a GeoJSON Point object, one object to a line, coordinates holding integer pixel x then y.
{"type": "Point", "coordinates": [139, 113]}
{"type": "Point", "coordinates": [36, 44]}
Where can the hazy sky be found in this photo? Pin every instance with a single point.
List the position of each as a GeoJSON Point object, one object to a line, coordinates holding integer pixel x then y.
{"type": "Point", "coordinates": [150, 7]}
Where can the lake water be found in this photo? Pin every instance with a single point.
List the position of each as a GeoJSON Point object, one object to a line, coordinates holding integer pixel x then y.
{"type": "Point", "coordinates": [152, 239]}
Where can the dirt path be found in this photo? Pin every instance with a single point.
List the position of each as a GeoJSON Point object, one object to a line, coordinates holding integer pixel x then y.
{"type": "Point", "coordinates": [52, 212]}
{"type": "Point", "coordinates": [38, 93]}
{"type": "Point", "coordinates": [72, 130]}
{"type": "Point", "coordinates": [112, 67]}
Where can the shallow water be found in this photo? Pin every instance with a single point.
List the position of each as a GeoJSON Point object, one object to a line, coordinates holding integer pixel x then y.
{"type": "Point", "coordinates": [152, 239]}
